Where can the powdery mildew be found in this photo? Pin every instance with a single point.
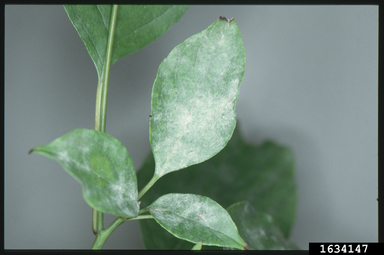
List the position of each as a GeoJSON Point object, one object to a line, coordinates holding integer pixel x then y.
{"type": "Point", "coordinates": [190, 131]}
{"type": "Point", "coordinates": [197, 215]}
{"type": "Point", "coordinates": [75, 152]}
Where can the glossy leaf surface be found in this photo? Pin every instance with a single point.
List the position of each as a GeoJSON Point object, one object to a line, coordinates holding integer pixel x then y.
{"type": "Point", "coordinates": [136, 27]}
{"type": "Point", "coordinates": [103, 167]}
{"type": "Point", "coordinates": [194, 97]}
{"type": "Point", "coordinates": [196, 218]}
{"type": "Point", "coordinates": [258, 230]}
{"type": "Point", "coordinates": [262, 175]}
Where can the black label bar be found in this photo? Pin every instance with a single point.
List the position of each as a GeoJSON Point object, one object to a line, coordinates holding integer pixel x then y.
{"type": "Point", "coordinates": [346, 248]}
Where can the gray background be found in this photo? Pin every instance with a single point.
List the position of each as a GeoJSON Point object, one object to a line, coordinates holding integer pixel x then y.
{"type": "Point", "coordinates": [310, 83]}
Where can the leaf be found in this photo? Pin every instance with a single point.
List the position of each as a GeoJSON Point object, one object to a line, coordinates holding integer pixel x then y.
{"type": "Point", "coordinates": [103, 167]}
{"type": "Point", "coordinates": [197, 246]}
{"type": "Point", "coordinates": [262, 175]}
{"type": "Point", "coordinates": [258, 229]}
{"type": "Point", "coordinates": [194, 97]}
{"type": "Point", "coordinates": [196, 218]}
{"type": "Point", "coordinates": [136, 27]}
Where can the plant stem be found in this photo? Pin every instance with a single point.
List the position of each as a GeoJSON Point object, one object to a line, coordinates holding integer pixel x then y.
{"type": "Point", "coordinates": [104, 234]}
{"type": "Point", "coordinates": [141, 217]}
{"type": "Point", "coordinates": [98, 103]}
{"type": "Point", "coordinates": [97, 221]}
{"type": "Point", "coordinates": [101, 104]}
{"type": "Point", "coordinates": [144, 210]}
{"type": "Point", "coordinates": [107, 67]}
{"type": "Point", "coordinates": [149, 185]}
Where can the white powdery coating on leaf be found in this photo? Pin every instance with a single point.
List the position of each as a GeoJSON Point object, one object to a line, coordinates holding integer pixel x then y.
{"type": "Point", "coordinates": [188, 211]}
{"type": "Point", "coordinates": [63, 156]}
{"type": "Point", "coordinates": [123, 190]}
{"type": "Point", "coordinates": [118, 192]}
{"type": "Point", "coordinates": [119, 199]}
{"type": "Point", "coordinates": [179, 208]}
{"type": "Point", "coordinates": [67, 157]}
{"type": "Point", "coordinates": [196, 116]}
{"type": "Point", "coordinates": [195, 131]}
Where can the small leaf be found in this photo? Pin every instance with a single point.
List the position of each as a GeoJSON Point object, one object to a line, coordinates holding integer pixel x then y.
{"type": "Point", "coordinates": [258, 229]}
{"type": "Point", "coordinates": [103, 167]}
{"type": "Point", "coordinates": [197, 246]}
{"type": "Point", "coordinates": [196, 218]}
{"type": "Point", "coordinates": [194, 97]}
{"type": "Point", "coordinates": [264, 175]}
{"type": "Point", "coordinates": [136, 27]}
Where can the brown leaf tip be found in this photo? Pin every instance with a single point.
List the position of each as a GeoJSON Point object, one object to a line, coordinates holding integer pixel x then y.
{"type": "Point", "coordinates": [222, 18]}
{"type": "Point", "coordinates": [30, 151]}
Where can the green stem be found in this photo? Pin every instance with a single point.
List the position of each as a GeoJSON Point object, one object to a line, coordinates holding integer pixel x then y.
{"type": "Point", "coordinates": [104, 234]}
{"type": "Point", "coordinates": [144, 210]}
{"type": "Point", "coordinates": [141, 217]}
{"type": "Point", "coordinates": [149, 185]}
{"type": "Point", "coordinates": [98, 103]}
{"type": "Point", "coordinates": [97, 221]}
{"type": "Point", "coordinates": [107, 67]}
{"type": "Point", "coordinates": [101, 104]}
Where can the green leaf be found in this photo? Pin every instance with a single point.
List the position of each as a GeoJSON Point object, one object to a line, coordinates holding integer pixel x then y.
{"type": "Point", "coordinates": [262, 175]}
{"type": "Point", "coordinates": [258, 229]}
{"type": "Point", "coordinates": [103, 167]}
{"type": "Point", "coordinates": [197, 246]}
{"type": "Point", "coordinates": [194, 97]}
{"type": "Point", "coordinates": [196, 218]}
{"type": "Point", "coordinates": [136, 27]}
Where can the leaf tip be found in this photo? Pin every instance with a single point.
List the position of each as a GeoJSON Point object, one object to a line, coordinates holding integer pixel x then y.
{"type": "Point", "coordinates": [30, 151]}
{"type": "Point", "coordinates": [246, 248]}
{"type": "Point", "coordinates": [222, 18]}
{"type": "Point", "coordinates": [198, 245]}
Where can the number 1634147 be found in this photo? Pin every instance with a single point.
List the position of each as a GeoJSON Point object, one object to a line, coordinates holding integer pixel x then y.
{"type": "Point", "coordinates": [343, 248]}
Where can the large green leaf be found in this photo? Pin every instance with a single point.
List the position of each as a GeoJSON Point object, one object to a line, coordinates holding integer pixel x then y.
{"type": "Point", "coordinates": [194, 95]}
{"type": "Point", "coordinates": [262, 175]}
{"type": "Point", "coordinates": [196, 218]}
{"type": "Point", "coordinates": [136, 27]}
{"type": "Point", "coordinates": [103, 167]}
{"type": "Point", "coordinates": [258, 229]}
